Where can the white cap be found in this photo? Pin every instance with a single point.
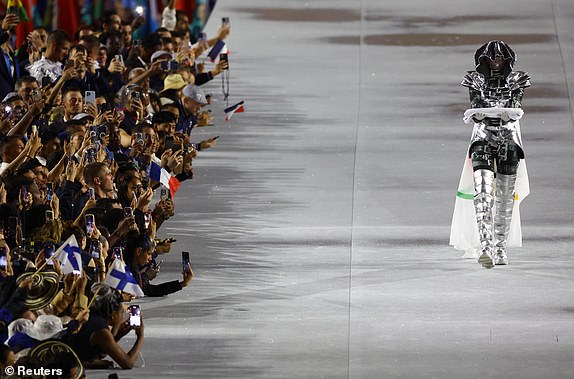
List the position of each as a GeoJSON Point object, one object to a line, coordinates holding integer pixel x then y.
{"type": "Point", "coordinates": [159, 54]}
{"type": "Point", "coordinates": [195, 93]}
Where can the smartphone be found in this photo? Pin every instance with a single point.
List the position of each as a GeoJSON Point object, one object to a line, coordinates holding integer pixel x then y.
{"type": "Point", "coordinates": [119, 58]}
{"type": "Point", "coordinates": [185, 260]}
{"type": "Point", "coordinates": [139, 189]}
{"type": "Point", "coordinates": [145, 185]}
{"type": "Point", "coordinates": [90, 224]}
{"type": "Point", "coordinates": [102, 131]}
{"type": "Point", "coordinates": [95, 249]}
{"type": "Point", "coordinates": [92, 193]}
{"type": "Point", "coordinates": [202, 36]}
{"type": "Point", "coordinates": [118, 251]}
{"type": "Point", "coordinates": [135, 315]}
{"type": "Point", "coordinates": [49, 249]}
{"type": "Point", "coordinates": [3, 259]}
{"type": "Point", "coordinates": [147, 219]}
{"type": "Point", "coordinates": [49, 216]}
{"type": "Point", "coordinates": [134, 196]}
{"type": "Point", "coordinates": [113, 376]}
{"type": "Point", "coordinates": [90, 97]}
{"type": "Point", "coordinates": [173, 66]}
{"type": "Point", "coordinates": [164, 194]}
{"type": "Point", "coordinates": [12, 9]}
{"type": "Point", "coordinates": [224, 58]}
{"type": "Point", "coordinates": [36, 95]}
{"type": "Point", "coordinates": [225, 20]}
{"type": "Point", "coordinates": [128, 212]}
{"type": "Point", "coordinates": [136, 95]}
{"type": "Point", "coordinates": [49, 191]}
{"type": "Point", "coordinates": [140, 139]}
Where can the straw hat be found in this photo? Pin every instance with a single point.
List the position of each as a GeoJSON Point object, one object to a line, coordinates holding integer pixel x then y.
{"type": "Point", "coordinates": [44, 289]}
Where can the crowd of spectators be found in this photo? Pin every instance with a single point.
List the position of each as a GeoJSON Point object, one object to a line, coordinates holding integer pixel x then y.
{"type": "Point", "coordinates": [85, 121]}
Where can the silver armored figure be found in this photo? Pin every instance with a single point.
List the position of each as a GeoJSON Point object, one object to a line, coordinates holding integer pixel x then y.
{"type": "Point", "coordinates": [496, 148]}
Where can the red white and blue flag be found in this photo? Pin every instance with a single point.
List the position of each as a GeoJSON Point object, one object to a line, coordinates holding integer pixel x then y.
{"type": "Point", "coordinates": [70, 256]}
{"type": "Point", "coordinates": [161, 175]}
{"type": "Point", "coordinates": [237, 108]}
{"type": "Point", "coordinates": [120, 278]}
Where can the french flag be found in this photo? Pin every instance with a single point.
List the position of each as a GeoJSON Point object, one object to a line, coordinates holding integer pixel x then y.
{"type": "Point", "coordinates": [237, 108]}
{"type": "Point", "coordinates": [217, 49]}
{"type": "Point", "coordinates": [120, 278]}
{"type": "Point", "coordinates": [158, 174]}
{"type": "Point", "coordinates": [70, 256]}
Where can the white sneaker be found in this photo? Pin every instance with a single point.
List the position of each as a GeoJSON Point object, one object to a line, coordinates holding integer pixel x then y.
{"type": "Point", "coordinates": [500, 257]}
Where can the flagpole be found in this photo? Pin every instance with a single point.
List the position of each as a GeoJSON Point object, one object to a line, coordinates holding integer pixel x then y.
{"type": "Point", "coordinates": [93, 298]}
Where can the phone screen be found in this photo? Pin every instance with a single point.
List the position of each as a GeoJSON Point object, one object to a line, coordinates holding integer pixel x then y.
{"type": "Point", "coordinates": [164, 194]}
{"type": "Point", "coordinates": [3, 260]}
{"type": "Point", "coordinates": [49, 215]}
{"type": "Point", "coordinates": [118, 253]}
{"type": "Point", "coordinates": [90, 224]}
{"type": "Point", "coordinates": [49, 249]}
{"type": "Point", "coordinates": [185, 260]}
{"type": "Point", "coordinates": [128, 212]}
{"type": "Point", "coordinates": [49, 191]}
{"type": "Point", "coordinates": [95, 249]}
{"type": "Point", "coordinates": [135, 315]}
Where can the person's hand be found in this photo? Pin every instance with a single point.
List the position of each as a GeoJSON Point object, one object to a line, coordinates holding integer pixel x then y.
{"type": "Point", "coordinates": [174, 161]}
{"type": "Point", "coordinates": [69, 73]}
{"type": "Point", "coordinates": [34, 144]}
{"type": "Point", "coordinates": [72, 170]}
{"type": "Point", "coordinates": [479, 116]}
{"type": "Point", "coordinates": [81, 282]}
{"type": "Point", "coordinates": [138, 22]}
{"type": "Point", "coordinates": [139, 329]}
{"type": "Point", "coordinates": [57, 267]}
{"type": "Point", "coordinates": [504, 116]}
{"type": "Point", "coordinates": [145, 200]}
{"type": "Point", "coordinates": [208, 143]}
{"type": "Point", "coordinates": [220, 67]}
{"type": "Point", "coordinates": [36, 41]}
{"type": "Point", "coordinates": [187, 276]}
{"type": "Point", "coordinates": [116, 66]}
{"type": "Point", "coordinates": [126, 225]}
{"type": "Point", "coordinates": [204, 119]}
{"type": "Point", "coordinates": [27, 283]}
{"type": "Point", "coordinates": [91, 203]}
{"type": "Point", "coordinates": [163, 247]}
{"type": "Point", "coordinates": [165, 157]}
{"type": "Point", "coordinates": [83, 316]}
{"type": "Point", "coordinates": [69, 284]}
{"type": "Point", "coordinates": [223, 31]}
{"type": "Point", "coordinates": [10, 21]}
{"type": "Point", "coordinates": [40, 259]}
{"type": "Point", "coordinates": [55, 206]}
{"type": "Point", "coordinates": [91, 109]}
{"type": "Point", "coordinates": [155, 68]}
{"type": "Point", "coordinates": [2, 193]}
{"type": "Point", "coordinates": [36, 108]}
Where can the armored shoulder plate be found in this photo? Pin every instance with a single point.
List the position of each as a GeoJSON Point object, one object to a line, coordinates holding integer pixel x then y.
{"type": "Point", "coordinates": [474, 80]}
{"type": "Point", "coordinates": [518, 79]}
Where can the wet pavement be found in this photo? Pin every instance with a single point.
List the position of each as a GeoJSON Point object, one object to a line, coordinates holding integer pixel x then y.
{"type": "Point", "coordinates": [318, 227]}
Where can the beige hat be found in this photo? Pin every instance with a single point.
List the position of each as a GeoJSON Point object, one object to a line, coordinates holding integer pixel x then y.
{"type": "Point", "coordinates": [173, 81]}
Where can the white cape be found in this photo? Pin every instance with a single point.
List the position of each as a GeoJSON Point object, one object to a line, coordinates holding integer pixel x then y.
{"type": "Point", "coordinates": [464, 228]}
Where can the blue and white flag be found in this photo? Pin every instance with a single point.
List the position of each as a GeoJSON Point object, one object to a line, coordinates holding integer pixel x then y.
{"type": "Point", "coordinates": [69, 255]}
{"type": "Point", "coordinates": [120, 278]}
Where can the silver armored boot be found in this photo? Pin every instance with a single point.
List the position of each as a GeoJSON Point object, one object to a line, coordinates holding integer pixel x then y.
{"type": "Point", "coordinates": [483, 202]}
{"type": "Point", "coordinates": [504, 201]}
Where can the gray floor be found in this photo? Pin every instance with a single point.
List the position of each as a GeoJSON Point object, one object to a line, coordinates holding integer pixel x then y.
{"type": "Point", "coordinates": [318, 227]}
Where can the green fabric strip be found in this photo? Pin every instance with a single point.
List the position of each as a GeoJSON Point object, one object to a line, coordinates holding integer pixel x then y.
{"type": "Point", "coordinates": [465, 196]}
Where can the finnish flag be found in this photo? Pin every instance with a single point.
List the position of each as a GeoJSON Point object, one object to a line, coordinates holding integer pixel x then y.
{"type": "Point", "coordinates": [69, 255]}
{"type": "Point", "coordinates": [120, 278]}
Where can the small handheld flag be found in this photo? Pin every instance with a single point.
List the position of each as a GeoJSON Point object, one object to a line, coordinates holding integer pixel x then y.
{"type": "Point", "coordinates": [120, 278]}
{"type": "Point", "coordinates": [70, 256]}
{"type": "Point", "coordinates": [159, 174]}
{"type": "Point", "coordinates": [237, 108]}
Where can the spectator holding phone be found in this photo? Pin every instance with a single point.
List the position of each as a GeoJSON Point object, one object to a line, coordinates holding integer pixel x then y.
{"type": "Point", "coordinates": [138, 256]}
{"type": "Point", "coordinates": [96, 339]}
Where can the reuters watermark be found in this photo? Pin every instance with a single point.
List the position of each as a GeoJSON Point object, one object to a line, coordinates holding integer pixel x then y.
{"type": "Point", "coordinates": [23, 371]}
